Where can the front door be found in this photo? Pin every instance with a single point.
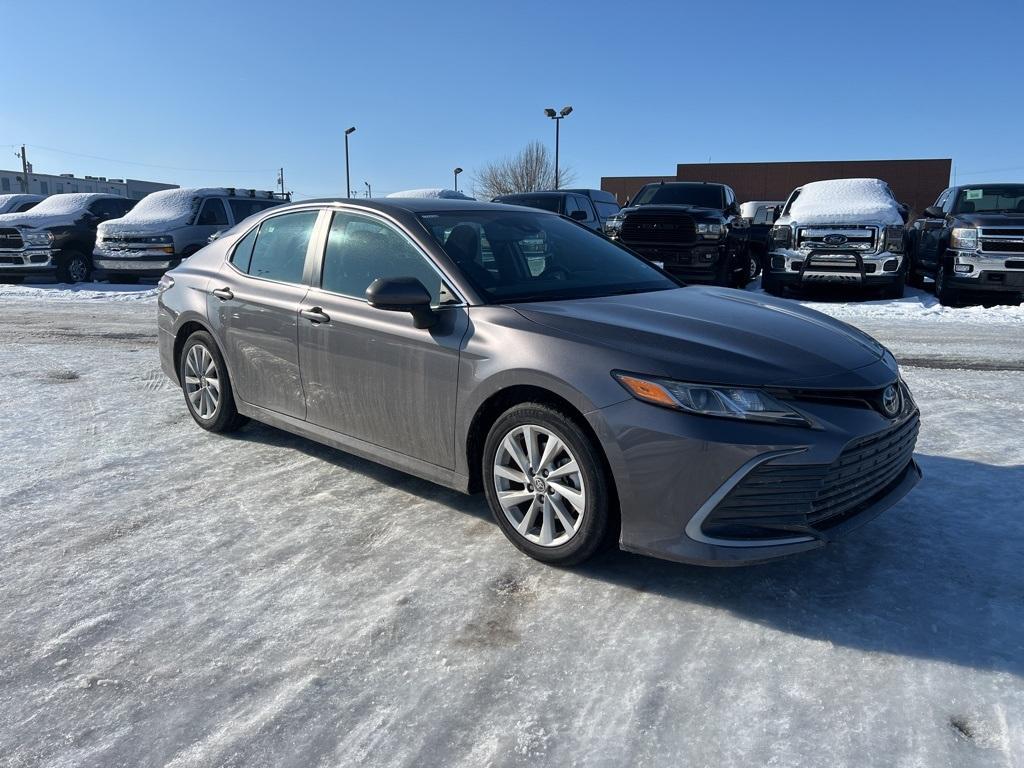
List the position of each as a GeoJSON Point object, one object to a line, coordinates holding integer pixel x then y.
{"type": "Point", "coordinates": [254, 303]}
{"type": "Point", "coordinates": [369, 373]}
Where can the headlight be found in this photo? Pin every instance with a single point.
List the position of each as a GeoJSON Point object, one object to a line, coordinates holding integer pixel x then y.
{"type": "Point", "coordinates": [781, 237]}
{"type": "Point", "coordinates": [711, 230]}
{"type": "Point", "coordinates": [37, 238]}
{"type": "Point", "coordinates": [964, 239]}
{"type": "Point", "coordinates": [894, 239]}
{"type": "Point", "coordinates": [727, 402]}
{"type": "Point", "coordinates": [613, 224]}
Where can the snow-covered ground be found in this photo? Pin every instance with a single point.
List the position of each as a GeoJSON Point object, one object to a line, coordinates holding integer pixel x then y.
{"type": "Point", "coordinates": [170, 597]}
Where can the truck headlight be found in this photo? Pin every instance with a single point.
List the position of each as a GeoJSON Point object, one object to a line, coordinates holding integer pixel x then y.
{"type": "Point", "coordinates": [613, 224]}
{"type": "Point", "coordinates": [781, 236]}
{"type": "Point", "coordinates": [710, 230]}
{"type": "Point", "coordinates": [894, 239]}
{"type": "Point", "coordinates": [708, 400]}
{"type": "Point", "coordinates": [964, 239]}
{"type": "Point", "coordinates": [38, 239]}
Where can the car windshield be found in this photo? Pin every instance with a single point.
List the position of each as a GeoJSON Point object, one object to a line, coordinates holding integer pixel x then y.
{"type": "Point", "coordinates": [701, 195]}
{"type": "Point", "coordinates": [544, 202]}
{"type": "Point", "coordinates": [1001, 197]}
{"type": "Point", "coordinates": [512, 256]}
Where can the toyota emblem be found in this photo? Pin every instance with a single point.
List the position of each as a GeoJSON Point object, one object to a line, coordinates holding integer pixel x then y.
{"type": "Point", "coordinates": [891, 400]}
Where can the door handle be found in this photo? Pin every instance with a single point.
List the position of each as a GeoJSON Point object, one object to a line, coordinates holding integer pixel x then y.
{"type": "Point", "coordinates": [315, 315]}
{"type": "Point", "coordinates": [224, 294]}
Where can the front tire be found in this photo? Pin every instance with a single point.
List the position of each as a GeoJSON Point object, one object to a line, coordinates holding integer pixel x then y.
{"type": "Point", "coordinates": [898, 289]}
{"type": "Point", "coordinates": [546, 485]}
{"type": "Point", "coordinates": [770, 284]}
{"type": "Point", "coordinates": [946, 295]}
{"type": "Point", "coordinates": [75, 267]}
{"type": "Point", "coordinates": [205, 383]}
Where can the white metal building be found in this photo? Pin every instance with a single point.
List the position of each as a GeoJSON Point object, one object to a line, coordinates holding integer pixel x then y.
{"type": "Point", "coordinates": [48, 184]}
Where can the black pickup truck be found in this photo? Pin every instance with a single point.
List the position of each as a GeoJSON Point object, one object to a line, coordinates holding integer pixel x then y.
{"type": "Point", "coordinates": [56, 237]}
{"type": "Point", "coordinates": [971, 242]}
{"type": "Point", "coordinates": [692, 229]}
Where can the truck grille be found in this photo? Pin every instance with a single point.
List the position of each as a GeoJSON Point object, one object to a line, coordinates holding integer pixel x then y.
{"type": "Point", "coordinates": [775, 499]}
{"type": "Point", "coordinates": [840, 238]}
{"type": "Point", "coordinates": [679, 229]}
{"type": "Point", "coordinates": [10, 239]}
{"type": "Point", "coordinates": [1001, 240]}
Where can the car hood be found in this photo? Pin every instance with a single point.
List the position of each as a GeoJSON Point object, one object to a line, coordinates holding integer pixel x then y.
{"type": "Point", "coordinates": [723, 336]}
{"type": "Point", "coordinates": [981, 219]}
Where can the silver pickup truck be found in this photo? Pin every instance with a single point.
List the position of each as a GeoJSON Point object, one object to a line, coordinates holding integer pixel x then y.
{"type": "Point", "coordinates": [840, 232]}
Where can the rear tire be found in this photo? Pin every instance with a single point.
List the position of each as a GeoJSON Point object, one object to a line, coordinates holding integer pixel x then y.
{"type": "Point", "coordinates": [947, 296]}
{"type": "Point", "coordinates": [546, 485]}
{"type": "Point", "coordinates": [206, 385]}
{"type": "Point", "coordinates": [74, 267]}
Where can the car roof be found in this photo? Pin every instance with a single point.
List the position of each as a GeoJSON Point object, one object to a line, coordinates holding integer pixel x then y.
{"type": "Point", "coordinates": [409, 204]}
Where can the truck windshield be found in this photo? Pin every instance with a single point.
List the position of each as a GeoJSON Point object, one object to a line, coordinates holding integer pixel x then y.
{"type": "Point", "coordinates": [701, 195]}
{"type": "Point", "coordinates": [544, 202]}
{"type": "Point", "coordinates": [534, 256]}
{"type": "Point", "coordinates": [1001, 197]}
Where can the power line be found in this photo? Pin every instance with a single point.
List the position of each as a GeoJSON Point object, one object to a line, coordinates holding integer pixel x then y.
{"type": "Point", "coordinates": [149, 165]}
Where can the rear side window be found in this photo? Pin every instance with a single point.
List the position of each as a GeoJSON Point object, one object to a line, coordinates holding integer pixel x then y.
{"type": "Point", "coordinates": [212, 213]}
{"type": "Point", "coordinates": [278, 250]}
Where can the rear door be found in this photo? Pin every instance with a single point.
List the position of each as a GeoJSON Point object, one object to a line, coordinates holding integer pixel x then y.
{"type": "Point", "coordinates": [254, 304]}
{"type": "Point", "coordinates": [369, 373]}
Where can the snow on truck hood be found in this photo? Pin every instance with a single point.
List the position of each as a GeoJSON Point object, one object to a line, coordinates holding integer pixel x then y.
{"type": "Point", "coordinates": [845, 201]}
{"type": "Point", "coordinates": [160, 211]}
{"type": "Point", "coordinates": [55, 211]}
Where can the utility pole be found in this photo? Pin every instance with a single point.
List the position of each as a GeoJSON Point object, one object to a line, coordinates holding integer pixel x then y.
{"type": "Point", "coordinates": [369, 190]}
{"type": "Point", "coordinates": [24, 170]}
{"type": "Point", "coordinates": [280, 179]}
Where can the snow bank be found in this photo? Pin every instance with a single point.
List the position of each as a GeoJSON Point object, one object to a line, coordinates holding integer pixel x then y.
{"type": "Point", "coordinates": [444, 194]}
{"type": "Point", "coordinates": [160, 211]}
{"type": "Point", "coordinates": [38, 294]}
{"type": "Point", "coordinates": [55, 210]}
{"type": "Point", "coordinates": [845, 201]}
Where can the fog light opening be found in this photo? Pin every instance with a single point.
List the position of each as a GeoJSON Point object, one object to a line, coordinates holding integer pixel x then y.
{"type": "Point", "coordinates": [963, 268]}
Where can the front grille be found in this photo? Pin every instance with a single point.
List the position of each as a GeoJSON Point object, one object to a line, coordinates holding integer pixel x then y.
{"type": "Point", "coordinates": [1002, 246]}
{"type": "Point", "coordinates": [831, 263]}
{"type": "Point", "coordinates": [10, 239]}
{"type": "Point", "coordinates": [776, 499]}
{"type": "Point", "coordinates": [11, 260]}
{"type": "Point", "coordinates": [678, 229]}
{"type": "Point", "coordinates": [841, 238]}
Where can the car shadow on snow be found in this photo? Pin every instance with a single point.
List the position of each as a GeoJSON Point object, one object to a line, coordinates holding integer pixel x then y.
{"type": "Point", "coordinates": [938, 577]}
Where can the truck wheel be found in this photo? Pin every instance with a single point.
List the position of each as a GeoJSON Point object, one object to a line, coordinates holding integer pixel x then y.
{"type": "Point", "coordinates": [770, 284]}
{"type": "Point", "coordinates": [897, 289]}
{"type": "Point", "coordinates": [75, 267]}
{"type": "Point", "coordinates": [946, 295]}
{"type": "Point", "coordinates": [11, 279]}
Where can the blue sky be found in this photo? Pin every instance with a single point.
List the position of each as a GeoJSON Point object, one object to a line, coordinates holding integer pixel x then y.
{"type": "Point", "coordinates": [225, 93]}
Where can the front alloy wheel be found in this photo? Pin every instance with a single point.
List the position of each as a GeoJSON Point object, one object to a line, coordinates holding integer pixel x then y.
{"type": "Point", "coordinates": [547, 485]}
{"type": "Point", "coordinates": [202, 381]}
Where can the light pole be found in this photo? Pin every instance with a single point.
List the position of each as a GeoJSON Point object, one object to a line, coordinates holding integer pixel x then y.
{"type": "Point", "coordinates": [557, 117]}
{"type": "Point", "coordinates": [348, 185]}
{"type": "Point", "coordinates": [369, 190]}
{"type": "Point", "coordinates": [457, 172]}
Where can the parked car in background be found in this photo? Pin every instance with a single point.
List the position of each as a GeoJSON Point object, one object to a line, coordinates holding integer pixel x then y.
{"type": "Point", "coordinates": [604, 202]}
{"type": "Point", "coordinates": [169, 226]}
{"type": "Point", "coordinates": [691, 229]}
{"type": "Point", "coordinates": [589, 396]}
{"type": "Point", "coordinates": [574, 205]}
{"type": "Point", "coordinates": [760, 216]}
{"type": "Point", "coordinates": [18, 203]}
{"type": "Point", "coordinates": [56, 237]}
{"type": "Point", "coordinates": [838, 232]}
{"type": "Point", "coordinates": [971, 242]}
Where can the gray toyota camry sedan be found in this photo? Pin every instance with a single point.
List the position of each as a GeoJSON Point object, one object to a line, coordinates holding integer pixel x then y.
{"type": "Point", "coordinates": [589, 395]}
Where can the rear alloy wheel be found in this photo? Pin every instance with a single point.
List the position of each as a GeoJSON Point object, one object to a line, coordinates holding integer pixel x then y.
{"type": "Point", "coordinates": [204, 380]}
{"type": "Point", "coordinates": [947, 296]}
{"type": "Point", "coordinates": [546, 485]}
{"type": "Point", "coordinates": [75, 268]}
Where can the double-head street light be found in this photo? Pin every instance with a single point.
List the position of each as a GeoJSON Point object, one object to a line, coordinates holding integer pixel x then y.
{"type": "Point", "coordinates": [557, 117]}
{"type": "Point", "coordinates": [348, 185]}
{"type": "Point", "coordinates": [369, 190]}
{"type": "Point", "coordinates": [457, 172]}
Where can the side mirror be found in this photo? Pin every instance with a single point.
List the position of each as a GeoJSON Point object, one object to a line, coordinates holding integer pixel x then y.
{"type": "Point", "coordinates": [934, 212]}
{"type": "Point", "coordinates": [578, 215]}
{"type": "Point", "coordinates": [402, 294]}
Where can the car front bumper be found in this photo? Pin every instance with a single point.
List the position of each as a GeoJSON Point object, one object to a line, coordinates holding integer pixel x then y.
{"type": "Point", "coordinates": [28, 261]}
{"type": "Point", "coordinates": [816, 268]}
{"type": "Point", "coordinates": [135, 263]}
{"type": "Point", "coordinates": [699, 262]}
{"type": "Point", "coordinates": [989, 273]}
{"type": "Point", "coordinates": [713, 491]}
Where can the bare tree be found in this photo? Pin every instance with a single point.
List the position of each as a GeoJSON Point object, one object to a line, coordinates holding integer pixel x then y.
{"type": "Point", "coordinates": [530, 170]}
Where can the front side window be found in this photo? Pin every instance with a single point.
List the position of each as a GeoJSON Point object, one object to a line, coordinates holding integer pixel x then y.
{"type": "Point", "coordinates": [533, 256]}
{"type": "Point", "coordinates": [361, 249]}
{"type": "Point", "coordinates": [606, 209]}
{"type": "Point", "coordinates": [991, 198]}
{"type": "Point", "coordinates": [277, 249]}
{"type": "Point", "coordinates": [584, 205]}
{"type": "Point", "coordinates": [212, 213]}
